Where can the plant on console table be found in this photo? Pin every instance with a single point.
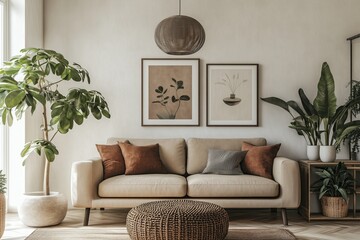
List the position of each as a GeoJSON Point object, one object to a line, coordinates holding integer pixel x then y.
{"type": "Point", "coordinates": [335, 127]}
{"type": "Point", "coordinates": [306, 123]}
{"type": "Point", "coordinates": [32, 79]}
{"type": "Point", "coordinates": [334, 187]}
{"type": "Point", "coordinates": [321, 121]}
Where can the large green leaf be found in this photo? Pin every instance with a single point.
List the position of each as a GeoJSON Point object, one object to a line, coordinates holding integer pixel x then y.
{"type": "Point", "coordinates": [308, 107]}
{"type": "Point", "coordinates": [277, 102]}
{"type": "Point", "coordinates": [50, 156]}
{"type": "Point", "coordinates": [296, 107]}
{"type": "Point", "coordinates": [14, 98]}
{"type": "Point", "coordinates": [325, 101]}
{"type": "Point", "coordinates": [8, 86]}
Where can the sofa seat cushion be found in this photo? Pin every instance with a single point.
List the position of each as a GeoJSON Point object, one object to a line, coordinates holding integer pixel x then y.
{"type": "Point", "coordinates": [212, 185]}
{"type": "Point", "coordinates": [143, 185]}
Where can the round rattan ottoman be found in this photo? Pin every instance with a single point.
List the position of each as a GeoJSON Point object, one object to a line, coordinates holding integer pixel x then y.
{"type": "Point", "coordinates": [177, 220]}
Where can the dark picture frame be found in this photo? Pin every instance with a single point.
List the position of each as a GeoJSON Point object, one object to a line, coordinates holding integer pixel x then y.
{"type": "Point", "coordinates": [232, 94]}
{"type": "Point", "coordinates": [170, 92]}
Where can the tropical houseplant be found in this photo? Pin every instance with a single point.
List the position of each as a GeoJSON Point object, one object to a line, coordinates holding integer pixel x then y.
{"type": "Point", "coordinates": [2, 202]}
{"type": "Point", "coordinates": [322, 119]}
{"type": "Point", "coordinates": [32, 79]}
{"type": "Point", "coordinates": [334, 186]}
{"type": "Point", "coordinates": [354, 137]}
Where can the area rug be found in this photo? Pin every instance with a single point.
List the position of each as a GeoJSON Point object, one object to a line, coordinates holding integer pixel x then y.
{"type": "Point", "coordinates": [121, 234]}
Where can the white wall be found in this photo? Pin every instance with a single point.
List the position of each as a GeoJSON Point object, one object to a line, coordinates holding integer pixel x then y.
{"type": "Point", "coordinates": [289, 39]}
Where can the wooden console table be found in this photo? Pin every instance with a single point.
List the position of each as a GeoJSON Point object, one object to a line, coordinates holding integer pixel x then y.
{"type": "Point", "coordinates": [307, 172]}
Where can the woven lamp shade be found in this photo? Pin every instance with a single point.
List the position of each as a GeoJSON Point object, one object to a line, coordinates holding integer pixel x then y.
{"type": "Point", "coordinates": [179, 35]}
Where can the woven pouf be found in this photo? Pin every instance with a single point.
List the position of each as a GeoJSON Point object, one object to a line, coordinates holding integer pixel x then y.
{"type": "Point", "coordinates": [177, 220]}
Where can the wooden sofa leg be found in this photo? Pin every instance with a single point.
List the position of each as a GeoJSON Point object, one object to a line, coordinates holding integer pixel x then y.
{"type": "Point", "coordinates": [284, 216]}
{"type": "Point", "coordinates": [86, 216]}
{"type": "Point", "coordinates": [102, 209]}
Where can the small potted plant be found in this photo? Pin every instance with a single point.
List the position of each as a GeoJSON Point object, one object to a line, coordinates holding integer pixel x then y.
{"type": "Point", "coordinates": [2, 202]}
{"type": "Point", "coordinates": [334, 186]}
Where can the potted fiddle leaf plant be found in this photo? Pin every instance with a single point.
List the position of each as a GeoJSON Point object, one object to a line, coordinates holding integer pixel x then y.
{"type": "Point", "coordinates": [2, 202]}
{"type": "Point", "coordinates": [30, 80]}
{"type": "Point", "coordinates": [334, 186]}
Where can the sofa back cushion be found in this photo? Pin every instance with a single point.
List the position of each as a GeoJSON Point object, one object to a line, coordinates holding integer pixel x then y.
{"type": "Point", "coordinates": [172, 151]}
{"type": "Point", "coordinates": [198, 150]}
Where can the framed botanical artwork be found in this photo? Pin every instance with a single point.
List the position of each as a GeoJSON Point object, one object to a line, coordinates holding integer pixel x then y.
{"type": "Point", "coordinates": [170, 92]}
{"type": "Point", "coordinates": [232, 94]}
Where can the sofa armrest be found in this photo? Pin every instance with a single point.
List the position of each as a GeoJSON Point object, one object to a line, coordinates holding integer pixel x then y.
{"type": "Point", "coordinates": [85, 178]}
{"type": "Point", "coordinates": [286, 172]}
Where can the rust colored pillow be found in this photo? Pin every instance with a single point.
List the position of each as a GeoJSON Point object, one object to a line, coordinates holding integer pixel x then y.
{"type": "Point", "coordinates": [112, 159]}
{"type": "Point", "coordinates": [142, 159]}
{"type": "Point", "coordinates": [259, 159]}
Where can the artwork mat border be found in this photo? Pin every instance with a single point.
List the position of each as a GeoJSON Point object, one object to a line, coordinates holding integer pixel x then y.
{"type": "Point", "coordinates": [254, 122]}
{"type": "Point", "coordinates": [195, 63]}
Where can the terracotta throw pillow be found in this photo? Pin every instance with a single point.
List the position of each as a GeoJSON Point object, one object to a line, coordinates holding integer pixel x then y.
{"type": "Point", "coordinates": [142, 159]}
{"type": "Point", "coordinates": [259, 159]}
{"type": "Point", "coordinates": [112, 159]}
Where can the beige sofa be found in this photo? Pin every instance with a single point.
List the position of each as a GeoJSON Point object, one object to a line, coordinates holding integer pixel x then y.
{"type": "Point", "coordinates": [185, 161]}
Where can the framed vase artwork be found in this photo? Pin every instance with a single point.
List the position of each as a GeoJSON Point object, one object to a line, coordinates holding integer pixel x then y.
{"type": "Point", "coordinates": [232, 94]}
{"type": "Point", "coordinates": [170, 92]}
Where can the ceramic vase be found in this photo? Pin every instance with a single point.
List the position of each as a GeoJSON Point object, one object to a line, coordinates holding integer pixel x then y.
{"type": "Point", "coordinates": [312, 152]}
{"type": "Point", "coordinates": [327, 153]}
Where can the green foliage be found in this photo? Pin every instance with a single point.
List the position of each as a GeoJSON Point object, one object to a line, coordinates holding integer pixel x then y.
{"type": "Point", "coordinates": [354, 136]}
{"type": "Point", "coordinates": [25, 84]}
{"type": "Point", "coordinates": [2, 182]}
{"type": "Point", "coordinates": [335, 182]}
{"type": "Point", "coordinates": [163, 99]}
{"type": "Point", "coordinates": [325, 101]}
{"type": "Point", "coordinates": [306, 123]}
{"type": "Point", "coordinates": [321, 118]}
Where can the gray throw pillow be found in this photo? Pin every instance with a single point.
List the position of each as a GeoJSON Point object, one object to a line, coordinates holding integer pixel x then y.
{"type": "Point", "coordinates": [224, 162]}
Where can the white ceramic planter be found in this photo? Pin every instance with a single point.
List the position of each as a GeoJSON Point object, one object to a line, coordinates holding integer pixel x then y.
{"type": "Point", "coordinates": [327, 153]}
{"type": "Point", "coordinates": [38, 210]}
{"type": "Point", "coordinates": [312, 152]}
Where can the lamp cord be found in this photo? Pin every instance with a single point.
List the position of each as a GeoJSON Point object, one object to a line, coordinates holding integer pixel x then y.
{"type": "Point", "coordinates": [179, 7]}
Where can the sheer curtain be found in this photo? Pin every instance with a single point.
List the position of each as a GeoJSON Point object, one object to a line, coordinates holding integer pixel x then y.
{"type": "Point", "coordinates": [12, 139]}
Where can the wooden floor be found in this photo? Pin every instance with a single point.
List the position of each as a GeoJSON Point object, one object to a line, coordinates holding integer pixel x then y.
{"type": "Point", "coordinates": [239, 218]}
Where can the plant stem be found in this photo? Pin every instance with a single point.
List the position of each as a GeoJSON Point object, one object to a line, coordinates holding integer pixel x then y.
{"type": "Point", "coordinates": [47, 163]}
{"type": "Point", "coordinates": [51, 84]}
{"type": "Point", "coordinates": [46, 187]}
{"type": "Point", "coordinates": [54, 135]}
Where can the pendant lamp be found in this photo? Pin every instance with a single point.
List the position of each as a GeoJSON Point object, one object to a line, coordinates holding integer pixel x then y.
{"type": "Point", "coordinates": [179, 35]}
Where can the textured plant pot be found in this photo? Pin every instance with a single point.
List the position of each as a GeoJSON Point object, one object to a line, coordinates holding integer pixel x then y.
{"type": "Point", "coordinates": [312, 152]}
{"type": "Point", "coordinates": [2, 213]}
{"type": "Point", "coordinates": [38, 210]}
{"type": "Point", "coordinates": [334, 207]}
{"type": "Point", "coordinates": [327, 153]}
